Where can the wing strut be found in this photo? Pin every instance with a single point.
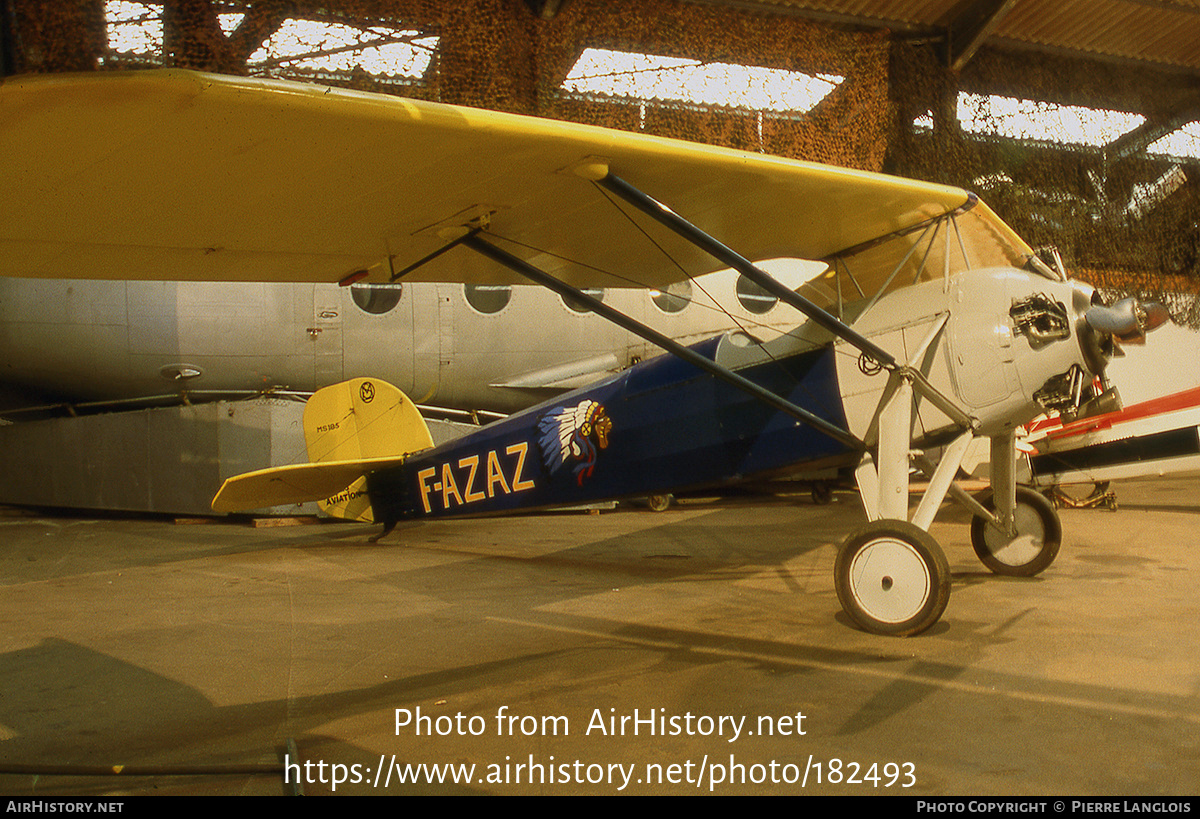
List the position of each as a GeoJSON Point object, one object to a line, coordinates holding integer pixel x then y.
{"type": "Point", "coordinates": [524, 268]}
{"type": "Point", "coordinates": [421, 262]}
{"type": "Point", "coordinates": [663, 214]}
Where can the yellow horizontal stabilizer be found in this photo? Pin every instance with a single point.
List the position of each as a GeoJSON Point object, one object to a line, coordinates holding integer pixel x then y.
{"type": "Point", "coordinates": [295, 483]}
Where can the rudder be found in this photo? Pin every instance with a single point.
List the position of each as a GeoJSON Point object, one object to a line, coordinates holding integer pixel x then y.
{"type": "Point", "coordinates": [360, 419]}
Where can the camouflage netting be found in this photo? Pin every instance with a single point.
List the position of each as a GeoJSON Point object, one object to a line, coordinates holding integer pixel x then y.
{"type": "Point", "coordinates": [1119, 218]}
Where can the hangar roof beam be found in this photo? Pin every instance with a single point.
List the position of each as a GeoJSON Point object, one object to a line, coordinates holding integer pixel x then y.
{"type": "Point", "coordinates": [972, 22]}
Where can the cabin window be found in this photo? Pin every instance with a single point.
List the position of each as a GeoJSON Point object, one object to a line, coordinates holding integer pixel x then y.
{"type": "Point", "coordinates": [753, 297]}
{"type": "Point", "coordinates": [488, 298]}
{"type": "Point", "coordinates": [672, 298]}
{"type": "Point", "coordinates": [578, 306]}
{"type": "Point", "coordinates": [376, 299]}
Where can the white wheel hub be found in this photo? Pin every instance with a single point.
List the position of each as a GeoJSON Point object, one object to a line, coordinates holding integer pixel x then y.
{"type": "Point", "coordinates": [1025, 547]}
{"type": "Point", "coordinates": [890, 580]}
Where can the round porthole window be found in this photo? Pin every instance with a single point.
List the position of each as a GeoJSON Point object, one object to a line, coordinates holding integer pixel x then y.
{"type": "Point", "coordinates": [753, 297]}
{"type": "Point", "coordinates": [578, 306]}
{"type": "Point", "coordinates": [672, 298]}
{"type": "Point", "coordinates": [376, 299]}
{"type": "Point", "coordinates": [488, 298]}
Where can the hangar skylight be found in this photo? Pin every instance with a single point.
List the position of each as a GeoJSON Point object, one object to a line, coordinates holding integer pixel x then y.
{"type": "Point", "coordinates": [1012, 118]}
{"type": "Point", "coordinates": [1184, 142]}
{"type": "Point", "coordinates": [672, 79]}
{"type": "Point", "coordinates": [298, 46]}
{"type": "Point", "coordinates": [308, 45]}
{"type": "Point", "coordinates": [1063, 124]}
{"type": "Point", "coordinates": [134, 29]}
{"type": "Point", "coordinates": [1035, 120]}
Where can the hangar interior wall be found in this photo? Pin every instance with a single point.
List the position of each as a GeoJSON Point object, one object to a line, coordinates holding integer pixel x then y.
{"type": "Point", "coordinates": [166, 460]}
{"type": "Point", "coordinates": [898, 109]}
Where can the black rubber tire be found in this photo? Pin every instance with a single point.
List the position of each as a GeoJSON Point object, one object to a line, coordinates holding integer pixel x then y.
{"type": "Point", "coordinates": [1036, 520]}
{"type": "Point", "coordinates": [892, 578]}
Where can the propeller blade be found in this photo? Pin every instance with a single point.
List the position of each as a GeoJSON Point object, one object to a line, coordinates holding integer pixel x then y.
{"type": "Point", "coordinates": [1128, 319]}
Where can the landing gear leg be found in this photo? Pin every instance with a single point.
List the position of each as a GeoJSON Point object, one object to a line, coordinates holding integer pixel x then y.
{"type": "Point", "coordinates": [892, 576]}
{"type": "Point", "coordinates": [822, 492]}
{"type": "Point", "coordinates": [1100, 496]}
{"type": "Point", "coordinates": [1024, 537]}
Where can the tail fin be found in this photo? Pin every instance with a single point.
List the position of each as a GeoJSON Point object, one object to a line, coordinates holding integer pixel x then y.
{"type": "Point", "coordinates": [349, 429]}
{"type": "Point", "coordinates": [360, 419]}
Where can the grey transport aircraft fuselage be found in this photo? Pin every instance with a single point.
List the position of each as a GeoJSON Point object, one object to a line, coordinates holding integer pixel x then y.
{"type": "Point", "coordinates": [494, 348]}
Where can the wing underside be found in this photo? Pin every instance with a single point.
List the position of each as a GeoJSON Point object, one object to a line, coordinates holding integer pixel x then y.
{"type": "Point", "coordinates": [169, 174]}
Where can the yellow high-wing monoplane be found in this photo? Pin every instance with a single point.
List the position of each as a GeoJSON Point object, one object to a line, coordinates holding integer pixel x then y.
{"type": "Point", "coordinates": [931, 325]}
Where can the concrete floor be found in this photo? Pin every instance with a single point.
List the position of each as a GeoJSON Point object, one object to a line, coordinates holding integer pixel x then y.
{"type": "Point", "coordinates": [146, 643]}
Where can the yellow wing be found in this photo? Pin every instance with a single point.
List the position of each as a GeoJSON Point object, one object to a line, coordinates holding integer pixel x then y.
{"type": "Point", "coordinates": [170, 174]}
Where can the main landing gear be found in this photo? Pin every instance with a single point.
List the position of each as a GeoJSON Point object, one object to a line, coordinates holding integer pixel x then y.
{"type": "Point", "coordinates": [891, 576]}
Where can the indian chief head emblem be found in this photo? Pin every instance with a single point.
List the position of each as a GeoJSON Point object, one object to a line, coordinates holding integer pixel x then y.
{"type": "Point", "coordinates": [571, 436]}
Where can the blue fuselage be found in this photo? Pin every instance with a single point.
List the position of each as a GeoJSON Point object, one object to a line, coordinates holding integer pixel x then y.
{"type": "Point", "coordinates": [660, 426]}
